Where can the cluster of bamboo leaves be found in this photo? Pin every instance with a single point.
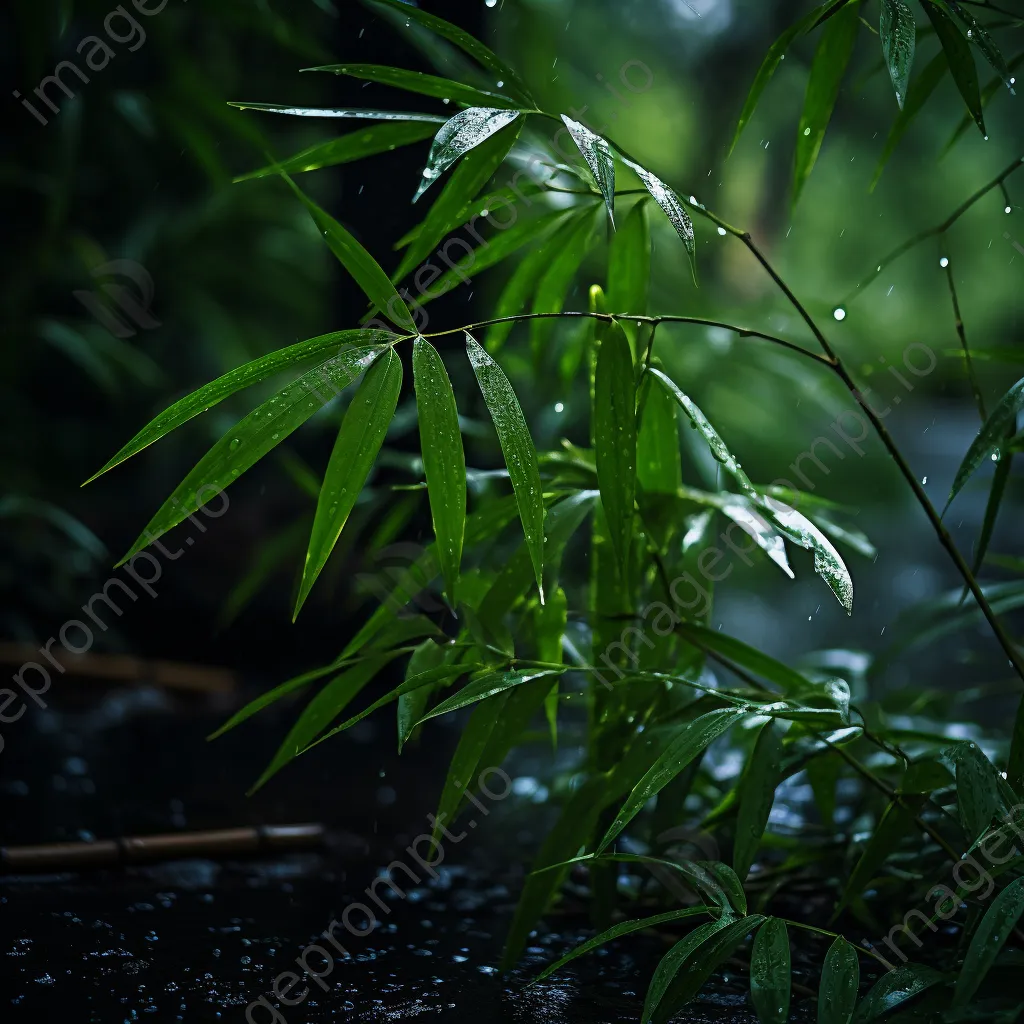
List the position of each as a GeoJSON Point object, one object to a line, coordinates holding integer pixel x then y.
{"type": "Point", "coordinates": [532, 635]}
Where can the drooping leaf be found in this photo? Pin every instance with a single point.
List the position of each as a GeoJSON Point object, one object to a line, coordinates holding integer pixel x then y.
{"type": "Point", "coordinates": [486, 686]}
{"type": "Point", "coordinates": [359, 114]}
{"type": "Point", "coordinates": [445, 216]}
{"type": "Point", "coordinates": [830, 60]}
{"type": "Point", "coordinates": [840, 984]}
{"type": "Point", "coordinates": [241, 377]}
{"type": "Point", "coordinates": [756, 796]}
{"type": "Point", "coordinates": [673, 208]}
{"type": "Point", "coordinates": [380, 138]}
{"type": "Point", "coordinates": [252, 437]}
{"type": "Point", "coordinates": [365, 270]}
{"type": "Point", "coordinates": [991, 88]}
{"type": "Point", "coordinates": [894, 989]}
{"type": "Point", "coordinates": [517, 447]}
{"type": "Point", "coordinates": [960, 60]}
{"type": "Point", "coordinates": [990, 437]}
{"type": "Point", "coordinates": [457, 136]}
{"type": "Point", "coordinates": [629, 267]}
{"type": "Point", "coordinates": [1000, 478]}
{"type": "Point", "coordinates": [999, 921]}
{"type": "Point", "coordinates": [899, 39]}
{"type": "Point", "coordinates": [980, 37]}
{"type": "Point", "coordinates": [504, 75]}
{"type": "Point", "coordinates": [615, 435]}
{"type": "Point", "coordinates": [425, 85]}
{"type": "Point", "coordinates": [693, 738]}
{"type": "Point", "coordinates": [444, 460]}
{"type": "Point", "coordinates": [362, 433]}
{"type": "Point", "coordinates": [977, 789]}
{"type": "Point", "coordinates": [428, 656]}
{"type": "Point", "coordinates": [730, 883]}
{"type": "Point", "coordinates": [751, 522]}
{"type": "Point", "coordinates": [598, 155]}
{"type": "Point", "coordinates": [771, 977]}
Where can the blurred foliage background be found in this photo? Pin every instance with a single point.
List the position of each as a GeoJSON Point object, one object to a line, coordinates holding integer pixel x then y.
{"type": "Point", "coordinates": [139, 166]}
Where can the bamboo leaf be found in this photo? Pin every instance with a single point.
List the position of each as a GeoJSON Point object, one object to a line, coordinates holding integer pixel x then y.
{"type": "Point", "coordinates": [362, 433]}
{"type": "Point", "coordinates": [771, 973]}
{"type": "Point", "coordinates": [444, 460]}
{"type": "Point", "coordinates": [830, 61]}
{"type": "Point", "coordinates": [598, 155]}
{"type": "Point", "coordinates": [991, 88]}
{"type": "Point", "coordinates": [253, 436]}
{"type": "Point", "coordinates": [690, 741]}
{"type": "Point", "coordinates": [425, 85]}
{"type": "Point", "coordinates": [756, 796]}
{"type": "Point", "coordinates": [977, 789]}
{"type": "Point", "coordinates": [995, 498]}
{"type": "Point", "coordinates": [840, 983]}
{"type": "Point", "coordinates": [428, 657]}
{"type": "Point", "coordinates": [960, 60]}
{"type": "Point", "coordinates": [379, 138]}
{"type": "Point", "coordinates": [550, 621]}
{"type": "Point", "coordinates": [659, 466]}
{"type": "Point", "coordinates": [457, 136]}
{"type": "Point", "coordinates": [237, 380]}
{"type": "Point", "coordinates": [615, 436]}
{"type": "Point", "coordinates": [899, 38]}
{"type": "Point", "coordinates": [673, 208]}
{"type": "Point", "coordinates": [629, 267]}
{"type": "Point", "coordinates": [999, 921]}
{"type": "Point", "coordinates": [984, 42]}
{"type": "Point", "coordinates": [359, 114]}
{"type": "Point", "coordinates": [487, 685]}
{"type": "Point", "coordinates": [894, 989]}
{"type": "Point", "coordinates": [517, 447]}
{"type": "Point", "coordinates": [516, 294]}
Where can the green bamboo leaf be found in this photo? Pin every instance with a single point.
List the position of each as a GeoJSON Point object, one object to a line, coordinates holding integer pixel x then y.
{"type": "Point", "coordinates": [556, 280]}
{"type": "Point", "coordinates": [517, 447]}
{"type": "Point", "coordinates": [756, 796]}
{"type": "Point", "coordinates": [984, 42]}
{"type": "Point", "coordinates": [446, 215]}
{"type": "Point", "coordinates": [485, 686]}
{"type": "Point", "coordinates": [362, 433]}
{"type": "Point", "coordinates": [428, 657]}
{"type": "Point", "coordinates": [359, 114]}
{"type": "Point", "coordinates": [995, 498]}
{"type": "Point", "coordinates": [894, 989]}
{"type": "Point", "coordinates": [253, 436]}
{"type": "Point", "coordinates": [615, 436]}
{"type": "Point", "coordinates": [629, 267]}
{"type": "Point", "coordinates": [444, 460]}
{"type": "Point", "coordinates": [977, 789]}
{"type": "Point", "coordinates": [673, 208]}
{"type": "Point", "coordinates": [380, 138]}
{"type": "Point", "coordinates": [899, 38]}
{"type": "Point", "coordinates": [990, 437]}
{"type": "Point", "coordinates": [776, 52]}
{"type": "Point", "coordinates": [425, 85]}
{"type": "Point", "coordinates": [690, 741]}
{"type": "Point", "coordinates": [771, 973]}
{"type": "Point", "coordinates": [321, 711]}
{"type": "Point", "coordinates": [991, 88]}
{"type": "Point", "coordinates": [669, 965]}
{"type": "Point", "coordinates": [658, 462]}
{"type": "Point", "coordinates": [617, 932]}
{"type": "Point", "coordinates": [958, 55]}
{"type": "Point", "coordinates": [749, 519]}
{"type": "Point", "coordinates": [457, 136]}
{"type": "Point", "coordinates": [840, 983]}
{"type": "Point", "coordinates": [501, 71]}
{"type": "Point", "coordinates": [359, 263]}
{"type": "Point", "coordinates": [707, 958]}
{"type": "Point", "coordinates": [238, 379]}
{"type": "Point", "coordinates": [999, 921]}
{"type": "Point", "coordinates": [918, 94]}
{"type": "Point", "coordinates": [789, 680]}
{"type": "Point", "coordinates": [598, 155]}
{"type": "Point", "coordinates": [830, 61]}
{"type": "Point", "coordinates": [730, 883]}
{"type": "Point", "coordinates": [550, 621]}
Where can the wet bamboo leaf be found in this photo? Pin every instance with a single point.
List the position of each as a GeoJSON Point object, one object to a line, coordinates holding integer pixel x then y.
{"type": "Point", "coordinates": [615, 436]}
{"type": "Point", "coordinates": [444, 460]}
{"type": "Point", "coordinates": [773, 58]}
{"type": "Point", "coordinates": [991, 88]}
{"type": "Point", "coordinates": [899, 38]}
{"type": "Point", "coordinates": [457, 136]}
{"type": "Point", "coordinates": [487, 686]}
{"type": "Point", "coordinates": [359, 263]}
{"type": "Point", "coordinates": [756, 796]}
{"type": "Point", "coordinates": [840, 983]}
{"type": "Point", "coordinates": [990, 437]}
{"type": "Point", "coordinates": [748, 519]}
{"type": "Point", "coordinates": [690, 741]}
{"type": "Point", "coordinates": [977, 789]}
{"type": "Point", "coordinates": [517, 447]}
{"type": "Point", "coordinates": [425, 85]}
{"type": "Point", "coordinates": [354, 112]}
{"type": "Point", "coordinates": [658, 462]}
{"type": "Point", "coordinates": [252, 437]}
{"type": "Point", "coordinates": [501, 71]}
{"type": "Point", "coordinates": [598, 155]}
{"type": "Point", "coordinates": [550, 620]}
{"type": "Point", "coordinates": [362, 433]}
{"type": "Point", "coordinates": [673, 208]}
{"type": "Point", "coordinates": [617, 932]}
{"type": "Point", "coordinates": [446, 215]}
{"type": "Point", "coordinates": [894, 989]}
{"type": "Point", "coordinates": [428, 657]}
{"type": "Point", "coordinates": [960, 59]}
{"type": "Point", "coordinates": [995, 498]}
{"type": "Point", "coordinates": [730, 883]}
{"type": "Point", "coordinates": [999, 921]}
{"type": "Point", "coordinates": [240, 378]}
{"type": "Point", "coordinates": [830, 60]}
{"type": "Point", "coordinates": [629, 267]}
{"type": "Point", "coordinates": [670, 964]}
{"type": "Point", "coordinates": [980, 37]}
{"type": "Point", "coordinates": [770, 972]}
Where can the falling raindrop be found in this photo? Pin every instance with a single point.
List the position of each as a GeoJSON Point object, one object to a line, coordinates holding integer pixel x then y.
{"type": "Point", "coordinates": [924, 480]}
{"type": "Point", "coordinates": [839, 313]}
{"type": "Point", "coordinates": [943, 262]}
{"type": "Point", "coordinates": [491, 3]}
{"type": "Point", "coordinates": [559, 407]}
{"type": "Point", "coordinates": [1009, 209]}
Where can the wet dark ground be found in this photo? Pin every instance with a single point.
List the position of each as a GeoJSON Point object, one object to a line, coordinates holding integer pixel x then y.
{"type": "Point", "coordinates": [198, 940]}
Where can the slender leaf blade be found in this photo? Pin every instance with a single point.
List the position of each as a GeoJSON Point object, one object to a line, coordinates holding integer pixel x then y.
{"type": "Point", "coordinates": [485, 686]}
{"type": "Point", "coordinates": [418, 82]}
{"type": "Point", "coordinates": [899, 38]}
{"type": "Point", "coordinates": [771, 976]}
{"type": "Point", "coordinates": [894, 989]}
{"type": "Point", "coordinates": [840, 984]}
{"type": "Point", "coordinates": [756, 796]}
{"type": "Point", "coordinates": [999, 921]}
{"type": "Point", "coordinates": [598, 155]}
{"type": "Point", "coordinates": [960, 60]}
{"type": "Point", "coordinates": [673, 208]}
{"type": "Point", "coordinates": [352, 112]}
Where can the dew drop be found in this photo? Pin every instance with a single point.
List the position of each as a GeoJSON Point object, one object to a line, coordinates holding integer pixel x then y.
{"type": "Point", "coordinates": [235, 442]}
{"type": "Point", "coordinates": [721, 231]}
{"type": "Point", "coordinates": [924, 480]}
{"type": "Point", "coordinates": [1009, 209]}
{"type": "Point", "coordinates": [944, 262]}
{"type": "Point", "coordinates": [839, 313]}
{"type": "Point", "coordinates": [807, 131]}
